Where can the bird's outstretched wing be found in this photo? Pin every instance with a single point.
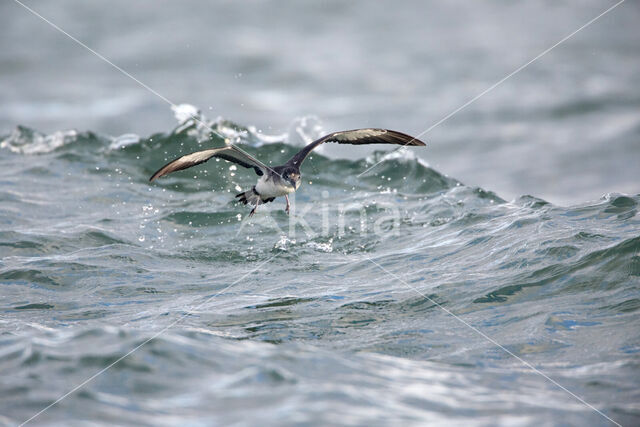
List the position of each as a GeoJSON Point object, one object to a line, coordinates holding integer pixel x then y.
{"type": "Point", "coordinates": [229, 153]}
{"type": "Point", "coordinates": [357, 137]}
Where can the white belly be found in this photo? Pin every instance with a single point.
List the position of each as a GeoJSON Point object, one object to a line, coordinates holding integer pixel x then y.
{"type": "Point", "coordinates": [268, 188]}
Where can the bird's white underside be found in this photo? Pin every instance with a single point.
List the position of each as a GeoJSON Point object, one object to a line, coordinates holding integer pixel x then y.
{"type": "Point", "coordinates": [267, 188]}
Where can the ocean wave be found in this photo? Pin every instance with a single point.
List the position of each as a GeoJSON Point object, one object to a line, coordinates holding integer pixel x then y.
{"type": "Point", "coordinates": [193, 128]}
{"type": "Point", "coordinates": [28, 141]}
{"type": "Point", "coordinates": [291, 311]}
{"type": "Point", "coordinates": [181, 371]}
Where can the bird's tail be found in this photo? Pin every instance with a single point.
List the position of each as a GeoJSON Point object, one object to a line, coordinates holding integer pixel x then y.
{"type": "Point", "coordinates": [249, 197]}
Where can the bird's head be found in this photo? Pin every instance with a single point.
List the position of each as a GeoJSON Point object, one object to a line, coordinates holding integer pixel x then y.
{"type": "Point", "coordinates": [292, 177]}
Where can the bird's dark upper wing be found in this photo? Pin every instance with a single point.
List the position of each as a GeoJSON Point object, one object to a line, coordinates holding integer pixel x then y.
{"type": "Point", "coordinates": [357, 137]}
{"type": "Point", "coordinates": [229, 153]}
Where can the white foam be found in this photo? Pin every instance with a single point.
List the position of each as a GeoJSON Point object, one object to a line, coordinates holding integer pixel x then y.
{"type": "Point", "coordinates": [322, 247]}
{"type": "Point", "coordinates": [185, 112]}
{"type": "Point", "coordinates": [124, 141]}
{"type": "Point", "coordinates": [403, 155]}
{"type": "Point", "coordinates": [26, 141]}
{"type": "Point", "coordinates": [304, 130]}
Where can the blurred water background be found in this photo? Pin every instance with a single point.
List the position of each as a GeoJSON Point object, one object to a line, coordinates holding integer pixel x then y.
{"type": "Point", "coordinates": [520, 216]}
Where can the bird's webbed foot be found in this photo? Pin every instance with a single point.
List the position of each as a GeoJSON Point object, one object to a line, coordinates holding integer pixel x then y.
{"type": "Point", "coordinates": [253, 210]}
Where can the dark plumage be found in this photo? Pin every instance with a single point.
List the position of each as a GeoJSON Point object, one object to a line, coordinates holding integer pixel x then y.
{"type": "Point", "coordinates": [281, 180]}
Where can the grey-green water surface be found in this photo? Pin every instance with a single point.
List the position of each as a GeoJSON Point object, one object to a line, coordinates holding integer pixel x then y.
{"type": "Point", "coordinates": [330, 320]}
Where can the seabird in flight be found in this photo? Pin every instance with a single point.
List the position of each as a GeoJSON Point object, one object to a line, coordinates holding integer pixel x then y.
{"type": "Point", "coordinates": [281, 180]}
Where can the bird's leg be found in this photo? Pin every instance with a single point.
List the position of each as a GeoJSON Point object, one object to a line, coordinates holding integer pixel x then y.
{"type": "Point", "coordinates": [286, 196]}
{"type": "Point", "coordinates": [254, 209]}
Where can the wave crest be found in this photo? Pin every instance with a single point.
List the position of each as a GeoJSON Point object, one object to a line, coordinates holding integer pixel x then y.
{"type": "Point", "coordinates": [24, 140]}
